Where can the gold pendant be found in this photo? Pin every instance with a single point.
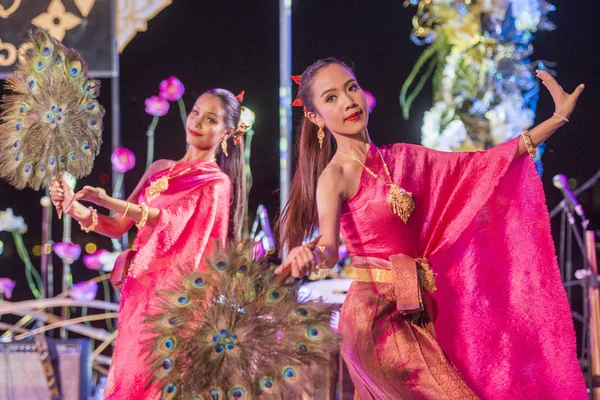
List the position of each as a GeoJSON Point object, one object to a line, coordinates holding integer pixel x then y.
{"type": "Point", "coordinates": [400, 201]}
{"type": "Point", "coordinates": [156, 188]}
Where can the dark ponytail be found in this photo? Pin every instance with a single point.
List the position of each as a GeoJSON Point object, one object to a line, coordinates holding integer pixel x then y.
{"type": "Point", "coordinates": [233, 164]}
{"type": "Point", "coordinates": [299, 218]}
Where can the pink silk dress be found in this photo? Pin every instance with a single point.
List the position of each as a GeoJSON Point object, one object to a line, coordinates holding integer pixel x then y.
{"type": "Point", "coordinates": [501, 327]}
{"type": "Point", "coordinates": [194, 212]}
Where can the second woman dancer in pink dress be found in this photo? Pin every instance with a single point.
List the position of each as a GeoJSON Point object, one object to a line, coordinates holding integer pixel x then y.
{"type": "Point", "coordinates": [457, 292]}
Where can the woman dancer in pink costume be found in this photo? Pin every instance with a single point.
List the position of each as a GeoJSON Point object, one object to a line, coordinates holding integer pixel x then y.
{"type": "Point", "coordinates": [464, 299]}
{"type": "Point", "coordinates": [204, 201]}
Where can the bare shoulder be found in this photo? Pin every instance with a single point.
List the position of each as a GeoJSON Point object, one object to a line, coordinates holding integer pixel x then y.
{"type": "Point", "coordinates": [331, 181]}
{"type": "Point", "coordinates": [331, 174]}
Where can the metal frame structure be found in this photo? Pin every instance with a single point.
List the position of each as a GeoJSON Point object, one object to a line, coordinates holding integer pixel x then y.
{"type": "Point", "coordinates": [285, 99]}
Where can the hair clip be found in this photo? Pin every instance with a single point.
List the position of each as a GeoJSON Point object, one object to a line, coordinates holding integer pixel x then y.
{"type": "Point", "coordinates": [240, 97]}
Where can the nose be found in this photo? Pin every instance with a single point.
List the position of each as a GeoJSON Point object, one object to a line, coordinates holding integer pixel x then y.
{"type": "Point", "coordinates": [350, 102]}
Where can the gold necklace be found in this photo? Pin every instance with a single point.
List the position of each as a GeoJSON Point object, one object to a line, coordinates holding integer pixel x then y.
{"type": "Point", "coordinates": [161, 184]}
{"type": "Point", "coordinates": [399, 200]}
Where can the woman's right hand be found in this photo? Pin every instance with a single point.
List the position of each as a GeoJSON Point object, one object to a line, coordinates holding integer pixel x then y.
{"type": "Point", "coordinates": [61, 194]}
{"type": "Point", "coordinates": [301, 261]}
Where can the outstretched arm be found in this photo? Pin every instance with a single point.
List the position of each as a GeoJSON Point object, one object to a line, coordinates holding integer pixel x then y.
{"type": "Point", "coordinates": [564, 104]}
{"type": "Point", "coordinates": [111, 226]}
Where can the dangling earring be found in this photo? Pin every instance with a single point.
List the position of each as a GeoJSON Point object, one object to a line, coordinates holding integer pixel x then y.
{"type": "Point", "coordinates": [224, 146]}
{"type": "Point", "coordinates": [321, 136]}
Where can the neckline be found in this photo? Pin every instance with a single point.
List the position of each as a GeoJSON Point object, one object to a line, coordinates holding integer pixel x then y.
{"type": "Point", "coordinates": [179, 164]}
{"type": "Point", "coordinates": [363, 172]}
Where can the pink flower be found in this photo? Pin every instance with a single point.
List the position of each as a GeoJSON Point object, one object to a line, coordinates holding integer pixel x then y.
{"type": "Point", "coordinates": [157, 106]}
{"type": "Point", "coordinates": [6, 287]}
{"type": "Point", "coordinates": [171, 89]}
{"type": "Point", "coordinates": [84, 291]}
{"type": "Point", "coordinates": [371, 102]}
{"type": "Point", "coordinates": [122, 160]}
{"type": "Point", "coordinates": [94, 261]}
{"type": "Point", "coordinates": [67, 251]}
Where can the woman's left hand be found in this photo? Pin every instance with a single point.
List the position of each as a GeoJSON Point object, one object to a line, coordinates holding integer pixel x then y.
{"type": "Point", "coordinates": [92, 194]}
{"type": "Point", "coordinates": [564, 103]}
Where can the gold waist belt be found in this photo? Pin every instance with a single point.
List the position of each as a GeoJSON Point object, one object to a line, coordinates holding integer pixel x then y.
{"type": "Point", "coordinates": [376, 275]}
{"type": "Point", "coordinates": [407, 274]}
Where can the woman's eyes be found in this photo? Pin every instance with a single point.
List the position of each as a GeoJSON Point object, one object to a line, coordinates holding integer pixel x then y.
{"type": "Point", "coordinates": [351, 88]}
{"type": "Point", "coordinates": [209, 119]}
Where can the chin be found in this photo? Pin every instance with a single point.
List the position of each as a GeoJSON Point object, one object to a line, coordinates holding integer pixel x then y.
{"type": "Point", "coordinates": [193, 140]}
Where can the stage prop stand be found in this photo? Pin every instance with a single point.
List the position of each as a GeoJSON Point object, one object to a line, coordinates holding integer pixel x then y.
{"type": "Point", "coordinates": [590, 319]}
{"type": "Point", "coordinates": [594, 300]}
{"type": "Point", "coordinates": [285, 99]}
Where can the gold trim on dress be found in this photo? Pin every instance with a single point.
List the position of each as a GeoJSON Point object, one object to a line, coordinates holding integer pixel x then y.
{"type": "Point", "coordinates": [376, 275]}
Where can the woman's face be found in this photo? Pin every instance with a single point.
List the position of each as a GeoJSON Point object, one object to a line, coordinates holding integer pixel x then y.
{"type": "Point", "coordinates": [340, 104]}
{"type": "Point", "coordinates": [205, 125]}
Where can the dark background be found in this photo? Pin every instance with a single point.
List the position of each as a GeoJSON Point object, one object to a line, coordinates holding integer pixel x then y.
{"type": "Point", "coordinates": [90, 36]}
{"type": "Point", "coordinates": [235, 44]}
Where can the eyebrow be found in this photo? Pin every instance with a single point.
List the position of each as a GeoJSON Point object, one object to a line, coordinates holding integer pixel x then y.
{"type": "Point", "coordinates": [333, 89]}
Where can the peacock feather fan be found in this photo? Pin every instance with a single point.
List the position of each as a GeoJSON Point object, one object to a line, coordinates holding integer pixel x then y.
{"type": "Point", "coordinates": [234, 332]}
{"type": "Point", "coordinates": [51, 121]}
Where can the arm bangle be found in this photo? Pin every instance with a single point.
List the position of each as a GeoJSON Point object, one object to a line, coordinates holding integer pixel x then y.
{"type": "Point", "coordinates": [144, 218]}
{"type": "Point", "coordinates": [88, 229]}
{"type": "Point", "coordinates": [126, 210]}
{"type": "Point", "coordinates": [528, 143]}
{"type": "Point", "coordinates": [320, 256]}
{"type": "Point", "coordinates": [561, 117]}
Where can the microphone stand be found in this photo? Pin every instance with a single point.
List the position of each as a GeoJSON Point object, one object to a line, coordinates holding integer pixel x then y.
{"type": "Point", "coordinates": [590, 182]}
{"type": "Point", "coordinates": [569, 229]}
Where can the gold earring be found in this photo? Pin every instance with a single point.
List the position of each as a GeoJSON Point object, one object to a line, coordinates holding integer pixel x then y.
{"type": "Point", "coordinates": [321, 136]}
{"type": "Point", "coordinates": [224, 146]}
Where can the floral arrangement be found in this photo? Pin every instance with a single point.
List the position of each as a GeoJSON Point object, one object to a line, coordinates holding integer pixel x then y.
{"type": "Point", "coordinates": [485, 91]}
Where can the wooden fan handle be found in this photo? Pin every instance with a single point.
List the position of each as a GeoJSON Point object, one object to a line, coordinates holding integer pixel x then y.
{"type": "Point", "coordinates": [58, 206]}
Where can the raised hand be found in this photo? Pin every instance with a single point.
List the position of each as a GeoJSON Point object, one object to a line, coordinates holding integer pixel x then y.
{"type": "Point", "coordinates": [88, 193]}
{"type": "Point", "coordinates": [564, 103]}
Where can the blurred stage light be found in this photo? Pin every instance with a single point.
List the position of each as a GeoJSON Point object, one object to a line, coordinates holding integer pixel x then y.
{"type": "Point", "coordinates": [91, 248]}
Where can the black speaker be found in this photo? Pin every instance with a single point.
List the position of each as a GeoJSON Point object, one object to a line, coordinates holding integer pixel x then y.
{"type": "Point", "coordinates": [22, 375]}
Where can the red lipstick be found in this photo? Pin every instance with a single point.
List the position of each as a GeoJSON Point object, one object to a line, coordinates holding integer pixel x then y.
{"type": "Point", "coordinates": [354, 117]}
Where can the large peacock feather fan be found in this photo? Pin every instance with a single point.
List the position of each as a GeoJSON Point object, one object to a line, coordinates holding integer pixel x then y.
{"type": "Point", "coordinates": [235, 332]}
{"type": "Point", "coordinates": [51, 120]}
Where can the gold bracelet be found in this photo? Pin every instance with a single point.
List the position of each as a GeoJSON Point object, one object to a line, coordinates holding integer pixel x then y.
{"type": "Point", "coordinates": [126, 210]}
{"type": "Point", "coordinates": [88, 229]}
{"type": "Point", "coordinates": [528, 143]}
{"type": "Point", "coordinates": [144, 218]}
{"type": "Point", "coordinates": [320, 256]}
{"type": "Point", "coordinates": [561, 117]}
